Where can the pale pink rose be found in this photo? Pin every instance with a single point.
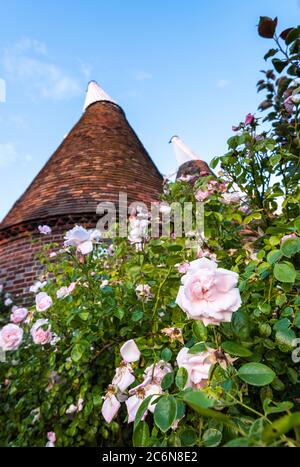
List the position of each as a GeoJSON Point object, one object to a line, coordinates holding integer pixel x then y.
{"type": "Point", "coordinates": [209, 293]}
{"type": "Point", "coordinates": [249, 119]}
{"type": "Point", "coordinates": [63, 292]}
{"type": "Point", "coordinates": [53, 254]}
{"type": "Point", "coordinates": [201, 195]}
{"type": "Point", "coordinates": [6, 382]}
{"type": "Point", "coordinates": [80, 404]}
{"type": "Point", "coordinates": [130, 352]}
{"type": "Point", "coordinates": [43, 301]}
{"type": "Point", "coordinates": [156, 372]}
{"type": "Point", "coordinates": [71, 287]}
{"type": "Point", "coordinates": [183, 267]}
{"type": "Point", "coordinates": [197, 366]}
{"type": "Point", "coordinates": [18, 315]}
{"type": "Point", "coordinates": [104, 283]}
{"type": "Point", "coordinates": [51, 436]}
{"type": "Point", "coordinates": [123, 377]}
{"type": "Point", "coordinates": [11, 337]}
{"type": "Point", "coordinates": [286, 237]}
{"type": "Point", "coordinates": [39, 334]}
{"type": "Point", "coordinates": [71, 409]}
{"type": "Point", "coordinates": [37, 286]}
{"type": "Point", "coordinates": [206, 254]}
{"type": "Point", "coordinates": [139, 394]}
{"type": "Point", "coordinates": [82, 239]}
{"type": "Point", "coordinates": [8, 301]}
{"type": "Point", "coordinates": [110, 407]}
{"type": "Point", "coordinates": [231, 198]}
{"type": "Point", "coordinates": [44, 229]}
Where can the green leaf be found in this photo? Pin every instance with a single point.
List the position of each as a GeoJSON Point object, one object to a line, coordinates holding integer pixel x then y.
{"type": "Point", "coordinates": [76, 353]}
{"type": "Point", "coordinates": [166, 354]}
{"type": "Point", "coordinates": [212, 438]}
{"type": "Point", "coordinates": [275, 159]}
{"type": "Point", "coordinates": [273, 256]}
{"type": "Point", "coordinates": [167, 381]}
{"type": "Point", "coordinates": [281, 426]}
{"type": "Point", "coordinates": [84, 315]}
{"type": "Point", "coordinates": [197, 399]}
{"type": "Point", "coordinates": [119, 313]}
{"type": "Point", "coordinates": [141, 435]}
{"type": "Point", "coordinates": [198, 348]}
{"type": "Point", "coordinates": [188, 437]}
{"type": "Point", "coordinates": [238, 443]}
{"type": "Point", "coordinates": [181, 378]}
{"type": "Point", "coordinates": [290, 247]}
{"type": "Point", "coordinates": [285, 338]}
{"type": "Point", "coordinates": [297, 320]}
{"type": "Point", "coordinates": [284, 272]}
{"type": "Point", "coordinates": [277, 407]}
{"type": "Point", "coordinates": [297, 224]}
{"type": "Point", "coordinates": [233, 348]}
{"type": "Point", "coordinates": [165, 413]}
{"type": "Point", "coordinates": [137, 315]}
{"type": "Point", "coordinates": [270, 53]}
{"type": "Point", "coordinates": [256, 374]}
{"type": "Point", "coordinates": [141, 411]}
{"type": "Point", "coordinates": [200, 331]}
{"type": "Point", "coordinates": [240, 325]}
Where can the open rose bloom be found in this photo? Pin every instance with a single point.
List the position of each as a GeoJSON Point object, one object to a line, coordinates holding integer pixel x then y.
{"type": "Point", "coordinates": [11, 337]}
{"type": "Point", "coordinates": [209, 293]}
{"type": "Point", "coordinates": [197, 366]}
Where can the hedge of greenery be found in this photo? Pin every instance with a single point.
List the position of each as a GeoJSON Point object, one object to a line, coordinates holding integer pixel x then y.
{"type": "Point", "coordinates": [169, 342]}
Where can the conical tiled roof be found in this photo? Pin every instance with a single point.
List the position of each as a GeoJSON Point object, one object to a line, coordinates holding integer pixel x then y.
{"type": "Point", "coordinates": [100, 157]}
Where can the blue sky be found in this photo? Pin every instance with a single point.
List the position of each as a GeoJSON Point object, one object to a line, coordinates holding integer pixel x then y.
{"type": "Point", "coordinates": [176, 67]}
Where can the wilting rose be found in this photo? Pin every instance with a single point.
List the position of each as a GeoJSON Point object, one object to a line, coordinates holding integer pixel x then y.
{"type": "Point", "coordinates": [11, 337]}
{"type": "Point", "coordinates": [43, 301]}
{"type": "Point", "coordinates": [110, 405]}
{"type": "Point", "coordinates": [123, 376]}
{"type": "Point", "coordinates": [156, 372]}
{"type": "Point", "coordinates": [209, 293]}
{"type": "Point", "coordinates": [130, 352]}
{"type": "Point", "coordinates": [39, 334]}
{"type": "Point", "coordinates": [139, 394]}
{"type": "Point", "coordinates": [44, 229]}
{"type": "Point", "coordinates": [174, 334]}
{"type": "Point", "coordinates": [197, 366]}
{"type": "Point", "coordinates": [143, 291]}
{"type": "Point", "coordinates": [18, 315]}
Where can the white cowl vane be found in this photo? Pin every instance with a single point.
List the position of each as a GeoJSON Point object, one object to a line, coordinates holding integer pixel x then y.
{"type": "Point", "coordinates": [95, 94]}
{"type": "Point", "coordinates": [182, 152]}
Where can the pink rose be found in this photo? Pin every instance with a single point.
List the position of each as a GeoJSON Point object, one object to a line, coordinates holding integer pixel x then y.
{"type": "Point", "coordinates": [8, 301]}
{"type": "Point", "coordinates": [209, 293]}
{"type": "Point", "coordinates": [249, 119]}
{"type": "Point", "coordinates": [51, 436]}
{"type": "Point", "coordinates": [123, 377]}
{"type": "Point", "coordinates": [39, 334]}
{"type": "Point", "coordinates": [18, 315]}
{"type": "Point", "coordinates": [286, 237]}
{"type": "Point", "coordinates": [139, 394]}
{"type": "Point", "coordinates": [197, 366]}
{"type": "Point", "coordinates": [111, 405]}
{"type": "Point", "coordinates": [201, 195]}
{"type": "Point", "coordinates": [11, 337]}
{"type": "Point", "coordinates": [44, 229]}
{"type": "Point", "coordinates": [43, 301]}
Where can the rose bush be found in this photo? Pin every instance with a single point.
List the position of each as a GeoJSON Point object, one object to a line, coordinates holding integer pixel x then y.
{"type": "Point", "coordinates": [174, 341]}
